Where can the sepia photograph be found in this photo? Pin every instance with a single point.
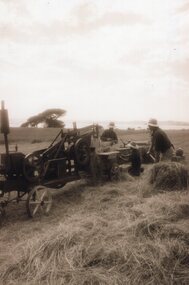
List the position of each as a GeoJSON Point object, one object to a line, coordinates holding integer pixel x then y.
{"type": "Point", "coordinates": [94, 142]}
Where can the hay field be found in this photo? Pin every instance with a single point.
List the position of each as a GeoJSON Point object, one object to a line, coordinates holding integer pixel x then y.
{"type": "Point", "coordinates": [114, 234]}
{"type": "Point", "coordinates": [29, 139]}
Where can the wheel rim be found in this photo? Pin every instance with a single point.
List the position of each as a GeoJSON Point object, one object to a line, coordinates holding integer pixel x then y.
{"type": "Point", "coordinates": [39, 201]}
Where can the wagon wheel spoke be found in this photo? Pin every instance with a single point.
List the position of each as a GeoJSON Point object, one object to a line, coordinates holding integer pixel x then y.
{"type": "Point", "coordinates": [39, 201]}
{"type": "Point", "coordinates": [43, 195]}
{"type": "Point", "coordinates": [36, 209]}
{"type": "Point", "coordinates": [43, 201]}
{"type": "Point", "coordinates": [36, 202]}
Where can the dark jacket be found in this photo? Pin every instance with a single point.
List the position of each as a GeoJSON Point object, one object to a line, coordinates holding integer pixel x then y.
{"type": "Point", "coordinates": [160, 141]}
{"type": "Point", "coordinates": [135, 158]}
{"type": "Point", "coordinates": [109, 135]}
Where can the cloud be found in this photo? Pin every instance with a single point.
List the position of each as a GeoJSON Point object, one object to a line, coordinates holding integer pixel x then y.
{"type": "Point", "coordinates": [134, 57]}
{"type": "Point", "coordinates": [82, 25]}
{"type": "Point", "coordinates": [17, 7]}
{"type": "Point", "coordinates": [181, 69]}
{"type": "Point", "coordinates": [85, 12]}
{"type": "Point", "coordinates": [14, 33]}
{"type": "Point", "coordinates": [81, 20]}
{"type": "Point", "coordinates": [184, 8]}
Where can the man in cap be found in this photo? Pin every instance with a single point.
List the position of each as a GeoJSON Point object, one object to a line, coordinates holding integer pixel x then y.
{"type": "Point", "coordinates": [109, 135]}
{"type": "Point", "coordinates": [160, 143]}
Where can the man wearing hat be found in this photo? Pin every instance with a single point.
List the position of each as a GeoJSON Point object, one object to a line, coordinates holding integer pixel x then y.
{"type": "Point", "coordinates": [160, 143]}
{"type": "Point", "coordinates": [109, 135]}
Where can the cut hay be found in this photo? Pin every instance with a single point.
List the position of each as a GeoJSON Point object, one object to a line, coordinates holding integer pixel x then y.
{"type": "Point", "coordinates": [77, 256]}
{"type": "Point", "coordinates": [127, 240]}
{"type": "Point", "coordinates": [169, 176]}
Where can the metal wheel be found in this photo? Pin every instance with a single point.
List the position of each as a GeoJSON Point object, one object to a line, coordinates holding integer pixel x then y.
{"type": "Point", "coordinates": [39, 201]}
{"type": "Point", "coordinates": [32, 166]}
{"type": "Point", "coordinates": [82, 152]}
{"type": "Point", "coordinates": [114, 173]}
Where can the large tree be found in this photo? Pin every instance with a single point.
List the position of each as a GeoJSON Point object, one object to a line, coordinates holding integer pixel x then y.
{"type": "Point", "coordinates": [49, 118]}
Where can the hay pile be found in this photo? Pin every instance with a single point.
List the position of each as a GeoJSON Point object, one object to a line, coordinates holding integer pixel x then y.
{"type": "Point", "coordinates": [169, 176]}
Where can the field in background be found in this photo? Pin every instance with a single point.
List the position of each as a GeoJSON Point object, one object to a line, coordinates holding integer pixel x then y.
{"type": "Point", "coordinates": [112, 234]}
{"type": "Point", "coordinates": [30, 139]}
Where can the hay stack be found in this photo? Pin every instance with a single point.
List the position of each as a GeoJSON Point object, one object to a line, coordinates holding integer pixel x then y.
{"type": "Point", "coordinates": [169, 176]}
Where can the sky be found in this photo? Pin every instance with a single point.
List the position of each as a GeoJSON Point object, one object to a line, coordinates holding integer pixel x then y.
{"type": "Point", "coordinates": [99, 60]}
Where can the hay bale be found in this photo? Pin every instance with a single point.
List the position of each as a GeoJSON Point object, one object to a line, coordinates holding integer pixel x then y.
{"type": "Point", "coordinates": [169, 176]}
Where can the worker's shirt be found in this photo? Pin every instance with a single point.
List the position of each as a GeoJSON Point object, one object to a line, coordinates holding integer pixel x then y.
{"type": "Point", "coordinates": [160, 141]}
{"type": "Point", "coordinates": [108, 135]}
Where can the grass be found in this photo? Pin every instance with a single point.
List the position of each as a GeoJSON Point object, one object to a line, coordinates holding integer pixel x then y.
{"type": "Point", "coordinates": [111, 234]}
{"type": "Point", "coordinates": [117, 233]}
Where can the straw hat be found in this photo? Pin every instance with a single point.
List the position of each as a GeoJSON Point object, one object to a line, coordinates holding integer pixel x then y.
{"type": "Point", "coordinates": [111, 124]}
{"type": "Point", "coordinates": [133, 145]}
{"type": "Point", "coordinates": [153, 123]}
